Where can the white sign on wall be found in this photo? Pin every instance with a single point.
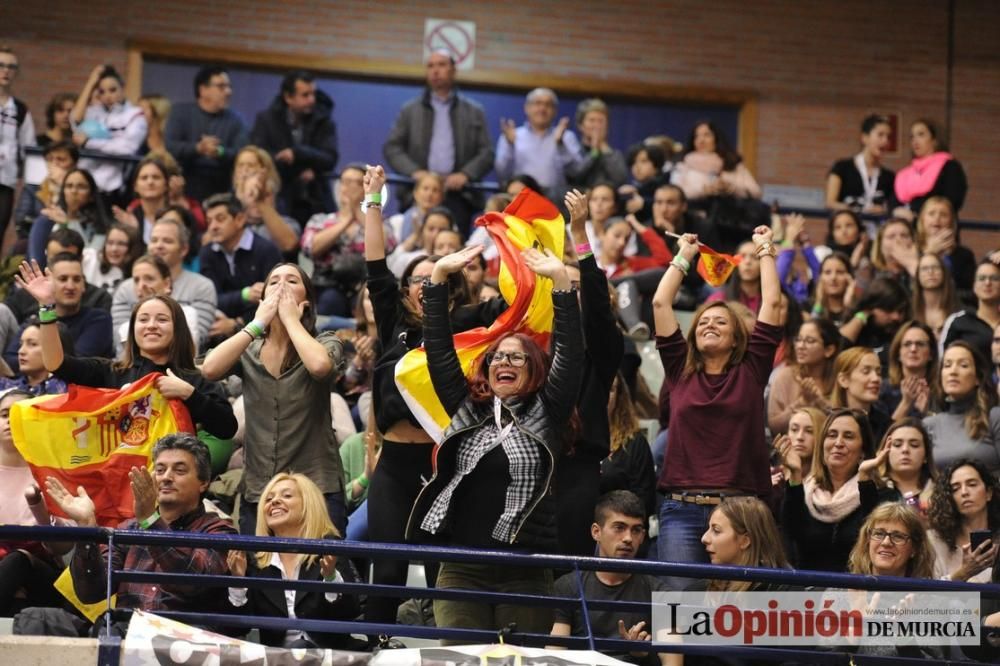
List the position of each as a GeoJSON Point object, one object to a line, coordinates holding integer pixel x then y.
{"type": "Point", "coordinates": [456, 37]}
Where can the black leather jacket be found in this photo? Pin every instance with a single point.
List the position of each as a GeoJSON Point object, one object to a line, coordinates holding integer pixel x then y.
{"type": "Point", "coordinates": [542, 416]}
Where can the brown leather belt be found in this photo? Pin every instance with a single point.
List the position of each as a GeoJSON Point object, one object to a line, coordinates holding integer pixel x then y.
{"type": "Point", "coordinates": [702, 498]}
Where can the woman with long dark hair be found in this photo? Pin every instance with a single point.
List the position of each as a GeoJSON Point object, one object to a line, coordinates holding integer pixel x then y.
{"type": "Point", "coordinates": [711, 166]}
{"type": "Point", "coordinates": [834, 292]}
{"type": "Point", "coordinates": [112, 263]}
{"type": "Point", "coordinates": [807, 377]}
{"type": "Point", "coordinates": [492, 486]}
{"type": "Point", "coordinates": [80, 208]}
{"type": "Point", "coordinates": [913, 366]}
{"type": "Point", "coordinates": [279, 354]}
{"type": "Point", "coordinates": [966, 499]}
{"type": "Point", "coordinates": [630, 463]}
{"type": "Point", "coordinates": [933, 171]}
{"type": "Point", "coordinates": [937, 234]}
{"type": "Point", "coordinates": [909, 467]}
{"type": "Point", "coordinates": [158, 341]}
{"type": "Point", "coordinates": [934, 295]}
{"type": "Point", "coordinates": [742, 533]}
{"type": "Point", "coordinates": [862, 183]}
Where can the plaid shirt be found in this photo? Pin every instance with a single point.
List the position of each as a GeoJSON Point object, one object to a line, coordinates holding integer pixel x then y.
{"type": "Point", "coordinates": [526, 467]}
{"type": "Point", "coordinates": [89, 567]}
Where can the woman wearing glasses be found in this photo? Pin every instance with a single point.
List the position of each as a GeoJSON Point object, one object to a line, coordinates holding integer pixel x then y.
{"type": "Point", "coordinates": [807, 376]}
{"type": "Point", "coordinates": [492, 487]}
{"type": "Point", "coordinates": [976, 326]}
{"type": "Point", "coordinates": [405, 463]}
{"type": "Point", "coordinates": [966, 499]}
{"type": "Point", "coordinates": [913, 367]}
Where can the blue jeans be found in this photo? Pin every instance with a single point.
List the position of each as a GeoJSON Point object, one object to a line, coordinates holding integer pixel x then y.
{"type": "Point", "coordinates": [682, 525]}
{"type": "Point", "coordinates": [357, 528]}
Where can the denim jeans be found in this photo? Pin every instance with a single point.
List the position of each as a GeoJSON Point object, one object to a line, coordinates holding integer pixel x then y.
{"type": "Point", "coordinates": [682, 525]}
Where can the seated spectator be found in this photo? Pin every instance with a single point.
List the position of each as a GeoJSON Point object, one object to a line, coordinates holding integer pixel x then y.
{"type": "Point", "coordinates": [60, 159]}
{"type": "Point", "coordinates": [804, 426]}
{"type": "Point", "coordinates": [823, 512]}
{"type": "Point", "coordinates": [710, 167]}
{"type": "Point", "coordinates": [33, 378]}
{"type": "Point", "coordinates": [335, 243]}
{"type": "Point", "coordinates": [58, 126]}
{"type": "Point", "coordinates": [151, 187]}
{"type": "Point", "coordinates": [835, 291]}
{"type": "Point", "coordinates": [847, 235]}
{"type": "Point", "coordinates": [966, 500]}
{"type": "Point", "coordinates": [550, 154]}
{"type": "Point", "coordinates": [894, 253]}
{"type": "Point", "coordinates": [968, 425]}
{"type": "Point", "coordinates": [421, 242]}
{"type": "Point", "coordinates": [105, 121]}
{"type": "Point", "coordinates": [428, 193]}
{"type": "Point", "coordinates": [27, 569]}
{"type": "Point", "coordinates": [619, 529]}
{"type": "Point", "coordinates": [742, 533]}
{"type": "Point", "coordinates": [518, 182]}
{"type": "Point", "coordinates": [933, 171]}
{"type": "Point", "coordinates": [708, 456]}
{"type": "Point", "coordinates": [156, 109]}
{"type": "Point", "coordinates": [858, 373]}
{"type": "Point", "coordinates": [62, 240]}
{"type": "Point", "coordinates": [909, 467]}
{"type": "Point", "coordinates": [175, 194]}
{"type": "Point", "coordinates": [107, 267]}
{"type": "Point", "coordinates": [290, 361]}
{"type": "Point", "coordinates": [169, 240]}
{"type": "Point", "coordinates": [59, 298]}
{"type": "Point", "coordinates": [601, 162]}
{"type": "Point", "coordinates": [151, 277]}
{"type": "Point", "coordinates": [185, 217]}
{"type": "Point", "coordinates": [169, 499]}
{"type": "Point", "coordinates": [744, 285]}
{"type": "Point", "coordinates": [862, 183]}
{"type": "Point", "coordinates": [635, 277]}
{"type": "Point", "coordinates": [630, 465]}
{"type": "Point", "coordinates": [471, 500]}
{"type": "Point", "coordinates": [159, 341]}
{"type": "Point", "coordinates": [671, 216]}
{"type": "Point", "coordinates": [292, 507]}
{"type": "Point", "coordinates": [359, 454]}
{"type": "Point", "coordinates": [807, 377]}
{"type": "Point", "coordinates": [206, 135]}
{"type": "Point", "coordinates": [447, 241]}
{"type": "Point", "coordinates": [880, 310]}
{"type": "Point", "coordinates": [913, 370]}
{"type": "Point", "coordinates": [796, 242]}
{"type": "Point", "coordinates": [645, 161]}
{"type": "Point", "coordinates": [237, 261]}
{"type": "Point", "coordinates": [257, 185]}
{"type": "Point", "coordinates": [892, 542]}
{"type": "Point", "coordinates": [934, 296]}
{"type": "Point", "coordinates": [80, 208]}
{"type": "Point", "coordinates": [976, 326]}
{"type": "Point", "coordinates": [937, 234]}
{"type": "Point", "coordinates": [602, 206]}
{"type": "Point", "coordinates": [299, 132]}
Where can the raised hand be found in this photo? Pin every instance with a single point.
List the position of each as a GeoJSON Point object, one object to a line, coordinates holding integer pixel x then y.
{"type": "Point", "coordinates": [762, 234]}
{"type": "Point", "coordinates": [547, 264]}
{"type": "Point", "coordinates": [635, 223]}
{"type": "Point", "coordinates": [374, 179]}
{"type": "Point", "coordinates": [850, 292]}
{"type": "Point", "coordinates": [975, 561]}
{"type": "Point", "coordinates": [794, 225]}
{"type": "Point", "coordinates": [860, 250]}
{"type": "Point", "coordinates": [288, 310]}
{"type": "Point", "coordinates": [236, 560]}
{"type": "Point", "coordinates": [561, 129]}
{"type": "Point", "coordinates": [687, 246]}
{"type": "Point", "coordinates": [867, 469]}
{"type": "Point", "coordinates": [173, 387]}
{"type": "Point", "coordinates": [509, 130]}
{"type": "Point", "coordinates": [454, 262]}
{"type": "Point", "coordinates": [576, 204]}
{"type": "Point", "coordinates": [328, 566]}
{"type": "Point", "coordinates": [372, 453]}
{"type": "Point", "coordinates": [122, 216]}
{"type": "Point", "coordinates": [79, 507]}
{"type": "Point", "coordinates": [143, 492]}
{"type": "Point", "coordinates": [36, 283]}
{"type": "Point", "coordinates": [268, 307]}
{"type": "Point", "coordinates": [56, 214]}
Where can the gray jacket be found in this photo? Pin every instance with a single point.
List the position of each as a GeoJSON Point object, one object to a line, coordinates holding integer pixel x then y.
{"type": "Point", "coordinates": [409, 143]}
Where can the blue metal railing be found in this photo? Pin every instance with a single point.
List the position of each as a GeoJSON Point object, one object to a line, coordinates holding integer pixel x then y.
{"type": "Point", "coordinates": [799, 578]}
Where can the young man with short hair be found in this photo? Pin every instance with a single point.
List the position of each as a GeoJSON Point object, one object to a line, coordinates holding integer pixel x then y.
{"type": "Point", "coordinates": [17, 131]}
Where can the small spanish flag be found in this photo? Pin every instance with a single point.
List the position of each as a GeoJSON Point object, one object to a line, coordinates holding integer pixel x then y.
{"type": "Point", "coordinates": [714, 266]}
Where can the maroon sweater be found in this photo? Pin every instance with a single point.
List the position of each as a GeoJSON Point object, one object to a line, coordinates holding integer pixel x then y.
{"type": "Point", "coordinates": [716, 436]}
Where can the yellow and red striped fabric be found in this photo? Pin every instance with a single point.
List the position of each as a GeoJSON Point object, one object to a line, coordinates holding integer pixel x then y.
{"type": "Point", "coordinates": [92, 437]}
{"type": "Point", "coordinates": [530, 220]}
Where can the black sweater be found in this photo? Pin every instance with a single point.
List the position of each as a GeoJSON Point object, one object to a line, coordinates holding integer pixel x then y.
{"type": "Point", "coordinates": [208, 404]}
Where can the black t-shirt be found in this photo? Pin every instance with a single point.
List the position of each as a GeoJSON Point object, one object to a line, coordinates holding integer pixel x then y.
{"type": "Point", "coordinates": [639, 587]}
{"type": "Point", "coordinates": [852, 188]}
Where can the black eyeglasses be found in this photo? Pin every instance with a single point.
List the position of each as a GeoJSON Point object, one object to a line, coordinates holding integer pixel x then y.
{"type": "Point", "coordinates": [11, 66]}
{"type": "Point", "coordinates": [414, 280]}
{"type": "Point", "coordinates": [895, 538]}
{"type": "Point", "coordinates": [516, 359]}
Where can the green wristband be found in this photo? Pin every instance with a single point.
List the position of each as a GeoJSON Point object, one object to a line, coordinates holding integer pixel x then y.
{"type": "Point", "coordinates": [255, 329]}
{"type": "Point", "coordinates": [817, 309]}
{"type": "Point", "coordinates": [245, 294]}
{"type": "Point", "coordinates": [146, 524]}
{"type": "Point", "coordinates": [220, 151]}
{"type": "Point", "coordinates": [861, 316]}
{"type": "Point", "coordinates": [47, 315]}
{"type": "Point", "coordinates": [373, 198]}
{"type": "Point", "coordinates": [362, 481]}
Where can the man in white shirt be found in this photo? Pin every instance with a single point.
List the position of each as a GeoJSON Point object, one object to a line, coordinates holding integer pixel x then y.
{"type": "Point", "coordinates": [17, 130]}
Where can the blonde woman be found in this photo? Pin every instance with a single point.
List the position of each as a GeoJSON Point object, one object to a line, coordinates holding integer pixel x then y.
{"type": "Point", "coordinates": [858, 384]}
{"type": "Point", "coordinates": [293, 507]}
{"type": "Point", "coordinates": [156, 109]}
{"type": "Point", "coordinates": [742, 532]}
{"type": "Point", "coordinates": [256, 183]}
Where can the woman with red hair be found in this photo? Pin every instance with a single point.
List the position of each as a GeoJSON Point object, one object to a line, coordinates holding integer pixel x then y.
{"type": "Point", "coordinates": [494, 467]}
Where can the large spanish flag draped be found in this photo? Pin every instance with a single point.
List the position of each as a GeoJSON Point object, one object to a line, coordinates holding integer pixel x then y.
{"type": "Point", "coordinates": [92, 437]}
{"type": "Point", "coordinates": [530, 220]}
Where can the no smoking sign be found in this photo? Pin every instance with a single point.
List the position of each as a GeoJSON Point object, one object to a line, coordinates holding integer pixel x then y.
{"type": "Point", "coordinates": [456, 37]}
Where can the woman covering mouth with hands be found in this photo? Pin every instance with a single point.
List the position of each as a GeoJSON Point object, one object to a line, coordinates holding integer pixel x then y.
{"type": "Point", "coordinates": [716, 378]}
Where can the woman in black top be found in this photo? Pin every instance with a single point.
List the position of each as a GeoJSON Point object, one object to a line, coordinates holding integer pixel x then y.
{"type": "Point", "coordinates": [158, 341]}
{"type": "Point", "coordinates": [861, 183]}
{"type": "Point", "coordinates": [405, 463]}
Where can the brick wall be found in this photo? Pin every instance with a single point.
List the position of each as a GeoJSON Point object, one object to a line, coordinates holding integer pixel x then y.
{"type": "Point", "coordinates": [817, 66]}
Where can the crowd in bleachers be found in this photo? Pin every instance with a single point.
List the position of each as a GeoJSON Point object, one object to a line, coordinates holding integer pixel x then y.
{"type": "Point", "coordinates": [833, 406]}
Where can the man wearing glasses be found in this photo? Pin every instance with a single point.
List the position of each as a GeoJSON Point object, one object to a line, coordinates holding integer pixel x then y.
{"type": "Point", "coordinates": [16, 131]}
{"type": "Point", "coordinates": [206, 135]}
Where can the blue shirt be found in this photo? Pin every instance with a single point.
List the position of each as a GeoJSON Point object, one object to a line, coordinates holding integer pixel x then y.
{"type": "Point", "coordinates": [539, 156]}
{"type": "Point", "coordinates": [441, 158]}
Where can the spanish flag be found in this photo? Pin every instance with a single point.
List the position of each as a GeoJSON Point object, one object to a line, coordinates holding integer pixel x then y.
{"type": "Point", "coordinates": [714, 266]}
{"type": "Point", "coordinates": [530, 220]}
{"type": "Point", "coordinates": [92, 437]}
